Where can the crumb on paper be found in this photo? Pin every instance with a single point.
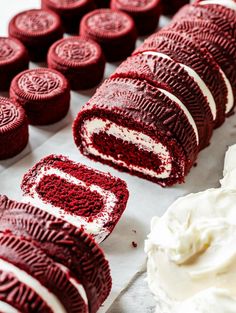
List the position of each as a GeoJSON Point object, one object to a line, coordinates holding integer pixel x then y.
{"type": "Point", "coordinates": [134, 231]}
{"type": "Point", "coordinates": [134, 244]}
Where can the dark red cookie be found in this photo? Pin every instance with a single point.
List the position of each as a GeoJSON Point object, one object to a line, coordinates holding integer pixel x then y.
{"type": "Point", "coordinates": [64, 243]}
{"type": "Point", "coordinates": [114, 30]}
{"type": "Point", "coordinates": [221, 16]}
{"type": "Point", "coordinates": [87, 198]}
{"type": "Point", "coordinates": [13, 128]}
{"type": "Point", "coordinates": [37, 30]}
{"type": "Point", "coordinates": [70, 11]}
{"type": "Point", "coordinates": [44, 94]}
{"type": "Point", "coordinates": [13, 60]}
{"type": "Point", "coordinates": [170, 7]}
{"type": "Point", "coordinates": [146, 13]}
{"type": "Point", "coordinates": [222, 47]}
{"type": "Point", "coordinates": [52, 283]}
{"type": "Point", "coordinates": [169, 75]}
{"type": "Point", "coordinates": [80, 60]}
{"type": "Point", "coordinates": [147, 113]}
{"type": "Point", "coordinates": [102, 3]}
{"type": "Point", "coordinates": [184, 51]}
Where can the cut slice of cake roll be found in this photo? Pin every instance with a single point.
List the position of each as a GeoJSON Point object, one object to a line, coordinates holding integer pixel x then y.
{"type": "Point", "coordinates": [73, 251]}
{"type": "Point", "coordinates": [86, 198]}
{"type": "Point", "coordinates": [146, 130]}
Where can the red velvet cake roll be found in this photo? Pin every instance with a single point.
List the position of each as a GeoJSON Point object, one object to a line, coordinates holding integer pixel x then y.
{"type": "Point", "coordinates": [170, 7]}
{"type": "Point", "coordinates": [114, 30]}
{"type": "Point", "coordinates": [220, 15]}
{"type": "Point", "coordinates": [13, 60]}
{"type": "Point", "coordinates": [221, 46]}
{"type": "Point", "coordinates": [84, 197]}
{"type": "Point", "coordinates": [146, 13]}
{"type": "Point", "coordinates": [146, 130]}
{"type": "Point", "coordinates": [80, 60]}
{"type": "Point", "coordinates": [13, 128]}
{"type": "Point", "coordinates": [49, 286]}
{"type": "Point", "coordinates": [37, 30]}
{"type": "Point", "coordinates": [44, 94]}
{"type": "Point", "coordinates": [70, 11]}
{"type": "Point", "coordinates": [166, 74]}
{"type": "Point", "coordinates": [72, 248]}
{"type": "Point", "coordinates": [199, 64]}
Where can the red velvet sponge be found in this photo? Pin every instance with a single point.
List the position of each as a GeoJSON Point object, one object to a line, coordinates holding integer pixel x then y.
{"type": "Point", "coordinates": [13, 128]}
{"type": "Point", "coordinates": [37, 30]}
{"type": "Point", "coordinates": [146, 13]}
{"type": "Point", "coordinates": [13, 60]}
{"type": "Point", "coordinates": [114, 30]}
{"type": "Point", "coordinates": [80, 60]}
{"type": "Point", "coordinates": [44, 94]}
{"type": "Point", "coordinates": [70, 11]}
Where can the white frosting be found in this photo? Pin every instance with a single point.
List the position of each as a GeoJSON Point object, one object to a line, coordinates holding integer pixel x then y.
{"type": "Point", "coordinates": [146, 143]}
{"type": "Point", "coordinates": [75, 283]}
{"type": "Point", "coordinates": [192, 253]}
{"type": "Point", "coordinates": [7, 308]}
{"type": "Point", "coordinates": [203, 87]}
{"type": "Point", "coordinates": [231, 4]}
{"type": "Point", "coordinates": [185, 110]}
{"type": "Point", "coordinates": [230, 94]}
{"type": "Point", "coordinates": [95, 227]}
{"type": "Point", "coordinates": [52, 301]}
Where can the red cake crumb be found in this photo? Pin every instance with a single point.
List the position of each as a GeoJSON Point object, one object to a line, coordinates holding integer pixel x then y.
{"type": "Point", "coordinates": [134, 244]}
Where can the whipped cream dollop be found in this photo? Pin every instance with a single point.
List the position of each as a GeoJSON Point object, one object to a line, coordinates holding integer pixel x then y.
{"type": "Point", "coordinates": [192, 252]}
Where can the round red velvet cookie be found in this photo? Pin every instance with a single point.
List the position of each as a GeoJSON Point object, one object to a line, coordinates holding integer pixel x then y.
{"type": "Point", "coordinates": [168, 75]}
{"type": "Point", "coordinates": [13, 59]}
{"type": "Point", "coordinates": [146, 13]}
{"type": "Point", "coordinates": [13, 128]}
{"type": "Point", "coordinates": [80, 60]}
{"type": "Point", "coordinates": [37, 30]}
{"type": "Point", "coordinates": [64, 243]}
{"type": "Point", "coordinates": [50, 279]}
{"type": "Point", "coordinates": [70, 11]}
{"type": "Point", "coordinates": [102, 3]}
{"type": "Point", "coordinates": [114, 30]}
{"type": "Point", "coordinates": [170, 7]}
{"type": "Point", "coordinates": [184, 51]}
{"type": "Point", "coordinates": [44, 94]}
{"type": "Point", "coordinates": [142, 108]}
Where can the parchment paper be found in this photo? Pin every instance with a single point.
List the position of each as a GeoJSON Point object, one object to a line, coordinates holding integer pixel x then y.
{"type": "Point", "coordinates": [146, 199]}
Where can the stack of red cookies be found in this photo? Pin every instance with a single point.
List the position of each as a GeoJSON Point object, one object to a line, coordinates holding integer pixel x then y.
{"type": "Point", "coordinates": [159, 108]}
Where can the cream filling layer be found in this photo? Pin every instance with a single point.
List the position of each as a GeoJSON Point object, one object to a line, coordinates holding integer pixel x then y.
{"type": "Point", "coordinates": [7, 308]}
{"type": "Point", "coordinates": [230, 4]}
{"type": "Point", "coordinates": [49, 298]}
{"type": "Point", "coordinates": [95, 227]}
{"type": "Point", "coordinates": [146, 143]}
{"type": "Point", "coordinates": [75, 283]}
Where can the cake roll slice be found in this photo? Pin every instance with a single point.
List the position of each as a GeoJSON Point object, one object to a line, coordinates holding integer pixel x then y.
{"type": "Point", "coordinates": [162, 72]}
{"type": "Point", "coordinates": [74, 251]}
{"type": "Point", "coordinates": [220, 45]}
{"type": "Point", "coordinates": [197, 61]}
{"type": "Point", "coordinates": [147, 130]}
{"type": "Point", "coordinates": [47, 286]}
{"type": "Point", "coordinates": [84, 197]}
{"type": "Point", "coordinates": [219, 14]}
